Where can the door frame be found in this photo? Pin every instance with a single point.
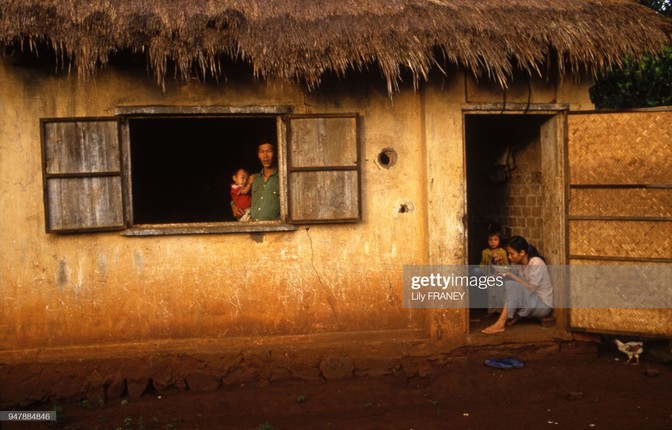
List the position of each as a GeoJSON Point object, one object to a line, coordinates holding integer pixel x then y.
{"type": "Point", "coordinates": [554, 165]}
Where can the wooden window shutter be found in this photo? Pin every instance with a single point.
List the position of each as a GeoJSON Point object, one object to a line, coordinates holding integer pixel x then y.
{"type": "Point", "coordinates": [82, 174]}
{"type": "Point", "coordinates": [323, 168]}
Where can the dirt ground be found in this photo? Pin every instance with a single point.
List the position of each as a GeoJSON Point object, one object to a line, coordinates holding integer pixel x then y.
{"type": "Point", "coordinates": [558, 391]}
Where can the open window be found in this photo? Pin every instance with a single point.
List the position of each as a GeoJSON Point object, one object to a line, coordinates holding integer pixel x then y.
{"type": "Point", "coordinates": [170, 173]}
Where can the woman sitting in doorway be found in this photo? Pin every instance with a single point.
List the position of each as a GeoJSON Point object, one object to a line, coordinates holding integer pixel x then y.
{"type": "Point", "coordinates": [529, 295]}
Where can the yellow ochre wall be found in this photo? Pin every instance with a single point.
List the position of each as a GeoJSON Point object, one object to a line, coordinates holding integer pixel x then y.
{"type": "Point", "coordinates": [105, 288]}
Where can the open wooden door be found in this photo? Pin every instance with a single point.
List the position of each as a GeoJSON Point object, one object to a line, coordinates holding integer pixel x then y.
{"type": "Point", "coordinates": [620, 211]}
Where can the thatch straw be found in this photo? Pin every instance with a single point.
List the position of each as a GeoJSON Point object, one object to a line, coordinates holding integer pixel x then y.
{"type": "Point", "coordinates": [303, 39]}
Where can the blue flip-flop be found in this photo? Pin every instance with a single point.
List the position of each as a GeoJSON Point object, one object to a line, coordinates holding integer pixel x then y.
{"type": "Point", "coordinates": [513, 362]}
{"type": "Point", "coordinates": [497, 364]}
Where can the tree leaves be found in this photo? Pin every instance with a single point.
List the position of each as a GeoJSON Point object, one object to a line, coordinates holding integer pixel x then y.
{"type": "Point", "coordinates": [645, 83]}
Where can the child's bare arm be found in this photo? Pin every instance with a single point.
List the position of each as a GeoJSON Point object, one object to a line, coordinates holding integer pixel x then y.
{"type": "Point", "coordinates": [246, 189]}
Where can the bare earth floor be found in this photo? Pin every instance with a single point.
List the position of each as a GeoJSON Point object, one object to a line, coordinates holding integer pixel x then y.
{"type": "Point", "coordinates": [556, 391]}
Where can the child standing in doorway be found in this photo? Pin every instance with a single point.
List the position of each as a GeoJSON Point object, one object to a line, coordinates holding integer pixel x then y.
{"type": "Point", "coordinates": [240, 192]}
{"type": "Point", "coordinates": [494, 254]}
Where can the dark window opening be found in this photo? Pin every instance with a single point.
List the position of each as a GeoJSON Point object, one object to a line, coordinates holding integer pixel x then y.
{"type": "Point", "coordinates": [182, 168]}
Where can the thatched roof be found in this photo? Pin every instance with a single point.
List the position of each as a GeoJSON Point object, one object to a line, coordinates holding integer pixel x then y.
{"type": "Point", "coordinates": [304, 39]}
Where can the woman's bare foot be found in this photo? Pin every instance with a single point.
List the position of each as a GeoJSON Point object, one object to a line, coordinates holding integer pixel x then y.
{"type": "Point", "coordinates": [495, 328]}
{"type": "Point", "coordinates": [513, 320]}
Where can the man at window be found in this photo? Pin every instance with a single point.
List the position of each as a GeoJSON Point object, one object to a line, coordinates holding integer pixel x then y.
{"type": "Point", "coordinates": [265, 188]}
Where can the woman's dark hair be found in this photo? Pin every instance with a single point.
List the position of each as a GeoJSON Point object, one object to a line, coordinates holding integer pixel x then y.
{"type": "Point", "coordinates": [520, 244]}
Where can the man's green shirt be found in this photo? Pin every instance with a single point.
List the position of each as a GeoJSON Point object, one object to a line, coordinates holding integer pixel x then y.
{"type": "Point", "coordinates": [266, 197]}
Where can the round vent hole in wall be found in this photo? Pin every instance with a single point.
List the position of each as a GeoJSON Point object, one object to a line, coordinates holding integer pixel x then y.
{"type": "Point", "coordinates": [387, 158]}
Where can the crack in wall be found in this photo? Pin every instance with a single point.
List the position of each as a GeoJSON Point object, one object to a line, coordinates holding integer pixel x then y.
{"type": "Point", "coordinates": [330, 297]}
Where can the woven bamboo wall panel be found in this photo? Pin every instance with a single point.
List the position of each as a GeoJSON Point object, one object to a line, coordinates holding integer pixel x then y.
{"type": "Point", "coordinates": [653, 322]}
{"type": "Point", "coordinates": [631, 239]}
{"type": "Point", "coordinates": [645, 286]}
{"type": "Point", "coordinates": [620, 148]}
{"type": "Point", "coordinates": [620, 202]}
{"type": "Point", "coordinates": [580, 262]}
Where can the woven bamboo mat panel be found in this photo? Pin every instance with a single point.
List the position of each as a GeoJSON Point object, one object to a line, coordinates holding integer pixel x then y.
{"type": "Point", "coordinates": [630, 202]}
{"type": "Point", "coordinates": [620, 148]}
{"type": "Point", "coordinates": [652, 322]}
{"type": "Point", "coordinates": [612, 285]}
{"type": "Point", "coordinates": [581, 262]}
{"type": "Point", "coordinates": [643, 239]}
{"type": "Point", "coordinates": [633, 285]}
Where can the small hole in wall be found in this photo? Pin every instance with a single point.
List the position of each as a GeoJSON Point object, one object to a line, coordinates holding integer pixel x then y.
{"type": "Point", "coordinates": [404, 206]}
{"type": "Point", "coordinates": [387, 158]}
{"type": "Point", "coordinates": [384, 159]}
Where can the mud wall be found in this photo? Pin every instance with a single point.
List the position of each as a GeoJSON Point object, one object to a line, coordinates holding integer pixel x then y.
{"type": "Point", "coordinates": [106, 288]}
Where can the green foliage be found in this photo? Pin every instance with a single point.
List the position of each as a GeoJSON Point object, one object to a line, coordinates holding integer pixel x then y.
{"type": "Point", "coordinates": [645, 83]}
{"type": "Point", "coordinates": [661, 6]}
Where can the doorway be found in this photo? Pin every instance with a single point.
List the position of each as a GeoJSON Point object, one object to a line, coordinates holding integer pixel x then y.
{"type": "Point", "coordinates": [515, 180]}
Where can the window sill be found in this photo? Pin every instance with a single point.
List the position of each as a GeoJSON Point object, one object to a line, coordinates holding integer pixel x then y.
{"type": "Point", "coordinates": [208, 228]}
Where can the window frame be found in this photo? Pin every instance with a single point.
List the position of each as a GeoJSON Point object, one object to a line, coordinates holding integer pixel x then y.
{"type": "Point", "coordinates": [283, 116]}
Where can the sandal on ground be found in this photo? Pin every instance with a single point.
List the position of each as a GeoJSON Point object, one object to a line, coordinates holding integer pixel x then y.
{"type": "Point", "coordinates": [513, 362]}
{"type": "Point", "coordinates": [497, 364]}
